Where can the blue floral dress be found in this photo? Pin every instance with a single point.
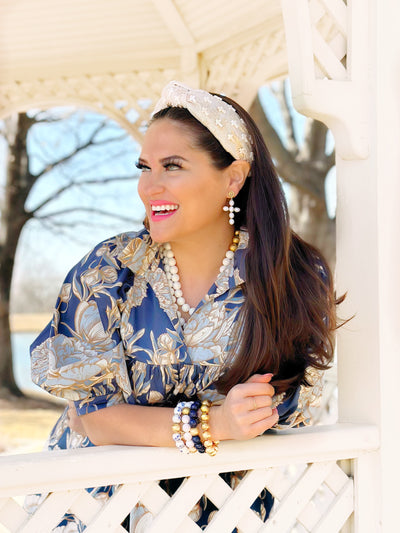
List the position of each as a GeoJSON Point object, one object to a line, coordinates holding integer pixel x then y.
{"type": "Point", "coordinates": [115, 337]}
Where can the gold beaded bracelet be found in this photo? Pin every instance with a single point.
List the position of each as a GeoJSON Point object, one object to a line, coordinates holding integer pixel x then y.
{"type": "Point", "coordinates": [210, 445]}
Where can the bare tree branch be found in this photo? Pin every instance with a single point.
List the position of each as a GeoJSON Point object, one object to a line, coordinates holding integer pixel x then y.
{"type": "Point", "coordinates": [315, 141]}
{"type": "Point", "coordinates": [298, 175]}
{"type": "Point", "coordinates": [84, 210]}
{"type": "Point", "coordinates": [61, 190]}
{"type": "Point", "coordinates": [84, 169]}
{"type": "Point", "coordinates": [281, 95]}
{"type": "Point", "coordinates": [80, 148]}
{"type": "Point", "coordinates": [331, 160]}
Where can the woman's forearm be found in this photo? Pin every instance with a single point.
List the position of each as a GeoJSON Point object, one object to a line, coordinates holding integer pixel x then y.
{"type": "Point", "coordinates": [136, 425]}
{"type": "Point", "coordinates": [245, 413]}
{"type": "Point", "coordinates": [132, 425]}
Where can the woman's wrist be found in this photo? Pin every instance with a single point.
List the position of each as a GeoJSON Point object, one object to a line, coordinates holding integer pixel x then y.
{"type": "Point", "coordinates": [217, 423]}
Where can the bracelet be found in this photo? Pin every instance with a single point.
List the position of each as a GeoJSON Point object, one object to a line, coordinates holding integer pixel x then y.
{"type": "Point", "coordinates": [176, 427]}
{"type": "Point", "coordinates": [184, 427]}
{"type": "Point", "coordinates": [185, 431]}
{"type": "Point", "coordinates": [211, 446]}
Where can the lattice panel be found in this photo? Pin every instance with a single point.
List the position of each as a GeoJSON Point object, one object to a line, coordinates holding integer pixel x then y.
{"type": "Point", "coordinates": [315, 498]}
{"type": "Point", "coordinates": [128, 98]}
{"type": "Point", "coordinates": [329, 37]}
{"type": "Point", "coordinates": [250, 61]}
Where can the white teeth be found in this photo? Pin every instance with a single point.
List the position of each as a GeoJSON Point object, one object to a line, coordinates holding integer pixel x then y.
{"type": "Point", "coordinates": [166, 207]}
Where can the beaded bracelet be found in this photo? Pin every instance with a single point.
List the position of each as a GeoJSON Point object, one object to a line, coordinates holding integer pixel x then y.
{"type": "Point", "coordinates": [184, 428]}
{"type": "Point", "coordinates": [211, 446]}
{"type": "Point", "coordinates": [185, 432]}
{"type": "Point", "coordinates": [176, 427]}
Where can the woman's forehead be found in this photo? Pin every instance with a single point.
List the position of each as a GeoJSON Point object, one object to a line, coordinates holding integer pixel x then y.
{"type": "Point", "coordinates": [164, 134]}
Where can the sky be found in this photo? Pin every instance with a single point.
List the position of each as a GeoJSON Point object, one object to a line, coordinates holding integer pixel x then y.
{"type": "Point", "coordinates": [50, 251]}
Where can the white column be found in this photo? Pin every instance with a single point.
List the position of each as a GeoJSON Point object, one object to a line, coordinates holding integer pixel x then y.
{"type": "Point", "coordinates": [368, 224]}
{"type": "Point", "coordinates": [369, 263]}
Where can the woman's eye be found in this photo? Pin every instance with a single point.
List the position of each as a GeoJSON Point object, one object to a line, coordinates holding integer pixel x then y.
{"type": "Point", "coordinates": [172, 166]}
{"type": "Point", "coordinates": [141, 167]}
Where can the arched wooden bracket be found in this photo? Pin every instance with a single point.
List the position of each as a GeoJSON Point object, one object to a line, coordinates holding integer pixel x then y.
{"type": "Point", "coordinates": [329, 75]}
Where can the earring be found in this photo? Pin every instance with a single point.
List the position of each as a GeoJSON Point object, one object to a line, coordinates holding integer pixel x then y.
{"type": "Point", "coordinates": [232, 210]}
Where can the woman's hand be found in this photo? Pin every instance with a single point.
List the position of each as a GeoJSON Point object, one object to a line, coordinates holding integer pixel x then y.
{"type": "Point", "coordinates": [246, 411]}
{"type": "Point", "coordinates": [75, 422]}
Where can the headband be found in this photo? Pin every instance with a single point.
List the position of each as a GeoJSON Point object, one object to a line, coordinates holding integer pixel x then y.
{"type": "Point", "coordinates": [220, 118]}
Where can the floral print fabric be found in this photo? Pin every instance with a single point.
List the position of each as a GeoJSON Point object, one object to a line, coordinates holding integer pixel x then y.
{"type": "Point", "coordinates": [115, 336]}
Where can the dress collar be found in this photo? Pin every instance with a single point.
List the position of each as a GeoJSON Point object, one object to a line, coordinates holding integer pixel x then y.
{"type": "Point", "coordinates": [141, 255]}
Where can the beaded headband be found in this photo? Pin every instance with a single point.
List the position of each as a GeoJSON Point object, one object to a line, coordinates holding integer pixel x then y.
{"type": "Point", "coordinates": [220, 118]}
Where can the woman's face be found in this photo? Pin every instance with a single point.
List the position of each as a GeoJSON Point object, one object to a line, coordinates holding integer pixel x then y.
{"type": "Point", "coordinates": [182, 191]}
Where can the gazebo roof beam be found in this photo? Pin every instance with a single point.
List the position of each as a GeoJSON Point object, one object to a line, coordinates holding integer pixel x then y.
{"type": "Point", "coordinates": [174, 22]}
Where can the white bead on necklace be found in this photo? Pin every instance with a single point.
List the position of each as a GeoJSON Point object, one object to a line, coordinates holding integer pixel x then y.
{"type": "Point", "coordinates": [171, 271]}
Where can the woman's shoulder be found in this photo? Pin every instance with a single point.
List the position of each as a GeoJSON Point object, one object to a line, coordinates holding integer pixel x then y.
{"type": "Point", "coordinates": [110, 252]}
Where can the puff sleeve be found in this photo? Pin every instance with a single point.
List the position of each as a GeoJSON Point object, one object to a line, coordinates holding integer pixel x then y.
{"type": "Point", "coordinates": [79, 356]}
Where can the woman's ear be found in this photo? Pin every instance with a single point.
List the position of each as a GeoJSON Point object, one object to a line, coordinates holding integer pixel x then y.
{"type": "Point", "coordinates": [237, 173]}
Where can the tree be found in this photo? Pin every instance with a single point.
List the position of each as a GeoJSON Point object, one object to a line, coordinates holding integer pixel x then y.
{"type": "Point", "coordinates": [303, 164]}
{"type": "Point", "coordinates": [19, 182]}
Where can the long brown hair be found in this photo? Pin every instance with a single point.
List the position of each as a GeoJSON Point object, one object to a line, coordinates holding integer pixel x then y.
{"type": "Point", "coordinates": [287, 321]}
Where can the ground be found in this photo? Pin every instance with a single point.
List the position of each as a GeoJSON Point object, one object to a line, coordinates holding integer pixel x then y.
{"type": "Point", "coordinates": [25, 423]}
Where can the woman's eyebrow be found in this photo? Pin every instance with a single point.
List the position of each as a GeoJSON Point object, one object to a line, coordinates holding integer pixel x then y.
{"type": "Point", "coordinates": [164, 160]}
{"type": "Point", "coordinates": [175, 157]}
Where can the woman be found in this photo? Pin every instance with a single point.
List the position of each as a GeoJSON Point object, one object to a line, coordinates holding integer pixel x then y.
{"type": "Point", "coordinates": [217, 307]}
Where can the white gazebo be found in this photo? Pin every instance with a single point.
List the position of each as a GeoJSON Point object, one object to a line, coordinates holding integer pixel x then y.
{"type": "Point", "coordinates": [343, 59]}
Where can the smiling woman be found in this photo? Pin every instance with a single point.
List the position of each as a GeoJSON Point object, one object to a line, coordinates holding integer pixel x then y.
{"type": "Point", "coordinates": [211, 323]}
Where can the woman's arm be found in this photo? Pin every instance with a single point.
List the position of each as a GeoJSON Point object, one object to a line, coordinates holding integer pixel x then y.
{"type": "Point", "coordinates": [245, 413]}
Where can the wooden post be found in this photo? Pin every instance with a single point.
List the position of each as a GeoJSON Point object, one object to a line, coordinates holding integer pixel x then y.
{"type": "Point", "coordinates": [362, 108]}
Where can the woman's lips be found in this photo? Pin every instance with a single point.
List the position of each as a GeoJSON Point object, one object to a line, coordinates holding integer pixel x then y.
{"type": "Point", "coordinates": [162, 210]}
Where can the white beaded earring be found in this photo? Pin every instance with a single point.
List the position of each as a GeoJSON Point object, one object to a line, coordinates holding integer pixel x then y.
{"type": "Point", "coordinates": [232, 209]}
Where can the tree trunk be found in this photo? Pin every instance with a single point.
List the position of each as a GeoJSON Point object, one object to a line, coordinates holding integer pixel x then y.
{"type": "Point", "coordinates": [13, 218]}
{"type": "Point", "coordinates": [304, 168]}
{"type": "Point", "coordinates": [310, 220]}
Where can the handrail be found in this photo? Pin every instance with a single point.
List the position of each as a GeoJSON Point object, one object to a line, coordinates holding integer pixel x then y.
{"type": "Point", "coordinates": [40, 472]}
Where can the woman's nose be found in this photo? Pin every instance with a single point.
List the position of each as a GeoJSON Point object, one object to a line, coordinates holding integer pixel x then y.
{"type": "Point", "coordinates": [151, 183]}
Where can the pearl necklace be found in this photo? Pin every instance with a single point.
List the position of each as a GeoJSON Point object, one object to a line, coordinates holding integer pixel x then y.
{"type": "Point", "coordinates": [171, 271]}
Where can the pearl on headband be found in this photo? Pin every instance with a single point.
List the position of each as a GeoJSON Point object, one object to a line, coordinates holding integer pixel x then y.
{"type": "Point", "coordinates": [219, 117]}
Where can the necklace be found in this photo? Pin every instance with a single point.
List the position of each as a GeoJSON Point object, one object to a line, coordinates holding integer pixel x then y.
{"type": "Point", "coordinates": [171, 271]}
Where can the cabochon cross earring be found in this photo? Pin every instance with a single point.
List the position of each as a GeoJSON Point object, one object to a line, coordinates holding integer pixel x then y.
{"type": "Point", "coordinates": [231, 208]}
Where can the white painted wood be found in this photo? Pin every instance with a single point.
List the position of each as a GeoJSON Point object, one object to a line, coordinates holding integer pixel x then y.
{"type": "Point", "coordinates": [174, 22]}
{"type": "Point", "coordinates": [331, 65]}
{"type": "Point", "coordinates": [12, 516]}
{"type": "Point", "coordinates": [181, 503]}
{"type": "Point", "coordinates": [85, 507]}
{"type": "Point", "coordinates": [116, 509]}
{"type": "Point", "coordinates": [309, 516]}
{"type": "Point", "coordinates": [154, 498]}
{"type": "Point", "coordinates": [50, 512]}
{"type": "Point", "coordinates": [238, 502]}
{"type": "Point", "coordinates": [366, 493]}
{"type": "Point", "coordinates": [341, 102]}
{"type": "Point", "coordinates": [339, 511]}
{"type": "Point", "coordinates": [336, 479]}
{"type": "Point", "coordinates": [338, 11]}
{"type": "Point", "coordinates": [79, 468]}
{"type": "Point", "coordinates": [219, 493]}
{"type": "Point", "coordinates": [296, 499]}
{"type": "Point", "coordinates": [57, 471]}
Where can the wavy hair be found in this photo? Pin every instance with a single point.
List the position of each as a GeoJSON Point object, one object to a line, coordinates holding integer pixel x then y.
{"type": "Point", "coordinates": [288, 319]}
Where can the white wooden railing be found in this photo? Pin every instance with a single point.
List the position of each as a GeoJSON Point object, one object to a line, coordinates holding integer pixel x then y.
{"type": "Point", "coordinates": [318, 476]}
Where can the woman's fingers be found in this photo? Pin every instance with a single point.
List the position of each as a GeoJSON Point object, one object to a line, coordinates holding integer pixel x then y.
{"type": "Point", "coordinates": [261, 426]}
{"type": "Point", "coordinates": [258, 402]}
{"type": "Point", "coordinates": [260, 378]}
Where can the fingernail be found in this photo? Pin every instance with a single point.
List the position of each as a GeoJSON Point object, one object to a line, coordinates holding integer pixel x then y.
{"type": "Point", "coordinates": [269, 375]}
